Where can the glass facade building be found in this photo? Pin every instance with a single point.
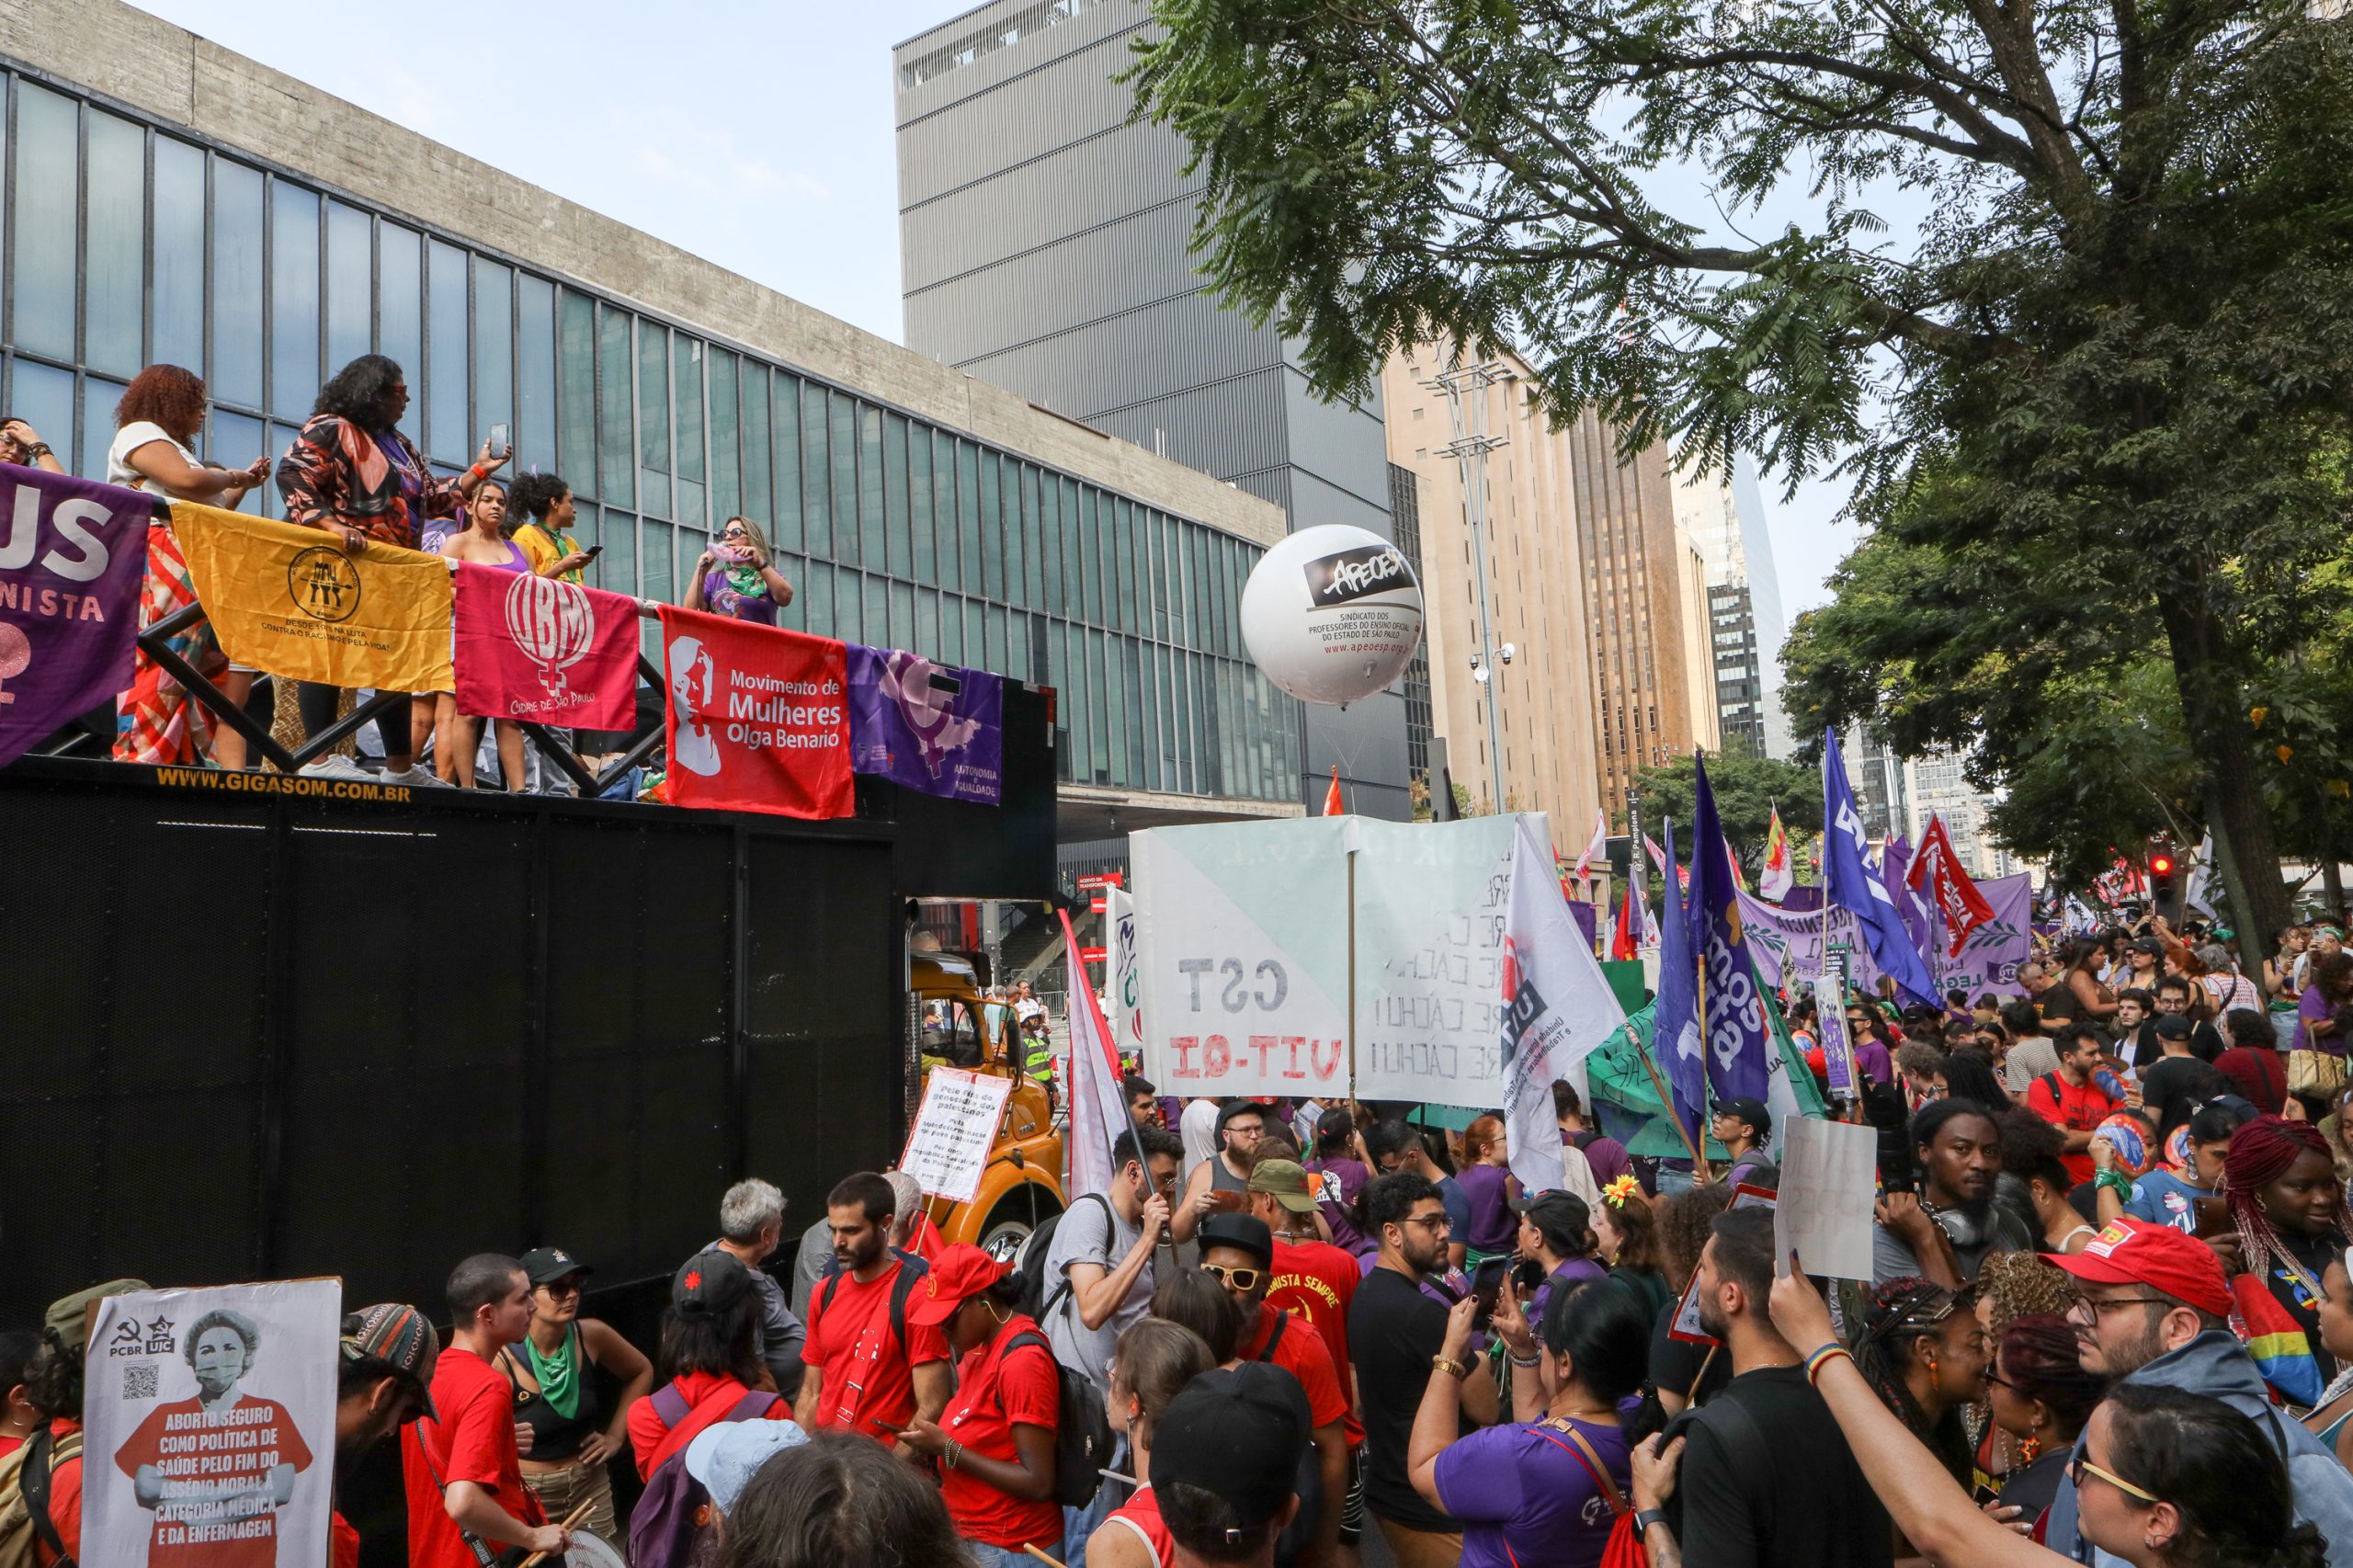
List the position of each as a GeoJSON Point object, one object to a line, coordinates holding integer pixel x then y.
{"type": "Point", "coordinates": [129, 242]}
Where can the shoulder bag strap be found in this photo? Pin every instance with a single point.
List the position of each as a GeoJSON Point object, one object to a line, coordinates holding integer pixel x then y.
{"type": "Point", "coordinates": [1274, 1337]}
{"type": "Point", "coordinates": [484, 1555]}
{"type": "Point", "coordinates": [33, 1481]}
{"type": "Point", "coordinates": [1065, 1292]}
{"type": "Point", "coordinates": [1586, 1456]}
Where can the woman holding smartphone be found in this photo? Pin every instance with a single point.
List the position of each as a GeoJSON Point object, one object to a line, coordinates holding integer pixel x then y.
{"type": "Point", "coordinates": [737, 576]}
{"type": "Point", "coordinates": [545, 501]}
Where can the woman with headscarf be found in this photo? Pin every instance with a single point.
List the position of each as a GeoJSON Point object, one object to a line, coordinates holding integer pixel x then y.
{"type": "Point", "coordinates": [2289, 1214]}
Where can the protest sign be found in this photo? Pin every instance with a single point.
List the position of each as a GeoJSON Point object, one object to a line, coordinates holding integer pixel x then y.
{"type": "Point", "coordinates": [949, 1146]}
{"type": "Point", "coordinates": [294, 602]}
{"type": "Point", "coordinates": [1837, 1051]}
{"type": "Point", "coordinates": [544, 650]}
{"type": "Point", "coordinates": [926, 727]}
{"type": "Point", "coordinates": [758, 720]}
{"type": "Point", "coordinates": [1557, 1008]}
{"type": "Point", "coordinates": [1431, 910]}
{"type": "Point", "coordinates": [1127, 978]}
{"type": "Point", "coordinates": [1824, 1213]}
{"type": "Point", "coordinates": [1242, 940]}
{"type": "Point", "coordinates": [209, 1426]}
{"type": "Point", "coordinates": [73, 556]}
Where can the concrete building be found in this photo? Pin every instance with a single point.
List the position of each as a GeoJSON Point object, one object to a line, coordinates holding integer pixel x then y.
{"type": "Point", "coordinates": [1044, 249]}
{"type": "Point", "coordinates": [1537, 578]}
{"type": "Point", "coordinates": [1935, 785]}
{"type": "Point", "coordinates": [1878, 778]}
{"type": "Point", "coordinates": [1725, 518]}
{"type": "Point", "coordinates": [173, 201]}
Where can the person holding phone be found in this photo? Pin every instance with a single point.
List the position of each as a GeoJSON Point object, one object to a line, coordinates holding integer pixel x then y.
{"type": "Point", "coordinates": [544, 500]}
{"type": "Point", "coordinates": [737, 576]}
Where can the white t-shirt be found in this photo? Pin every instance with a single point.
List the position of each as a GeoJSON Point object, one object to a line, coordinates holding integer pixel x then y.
{"type": "Point", "coordinates": [129, 439]}
{"type": "Point", "coordinates": [1198, 1126]}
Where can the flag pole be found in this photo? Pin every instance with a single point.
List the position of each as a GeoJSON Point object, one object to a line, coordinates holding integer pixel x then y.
{"type": "Point", "coordinates": [1700, 962]}
{"type": "Point", "coordinates": [1699, 1162]}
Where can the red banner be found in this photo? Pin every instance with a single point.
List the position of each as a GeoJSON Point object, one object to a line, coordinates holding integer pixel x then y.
{"type": "Point", "coordinates": [1964, 907]}
{"type": "Point", "coordinates": [544, 652]}
{"type": "Point", "coordinates": [757, 718]}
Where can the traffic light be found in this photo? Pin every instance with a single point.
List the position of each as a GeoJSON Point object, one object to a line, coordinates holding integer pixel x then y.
{"type": "Point", "coordinates": [2163, 874]}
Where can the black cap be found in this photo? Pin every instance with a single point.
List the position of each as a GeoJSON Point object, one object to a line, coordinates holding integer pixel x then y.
{"type": "Point", "coordinates": [1233, 1108]}
{"type": "Point", "coordinates": [1244, 1233]}
{"type": "Point", "coordinates": [2173, 1026]}
{"type": "Point", "coordinates": [2147, 944]}
{"type": "Point", "coordinates": [1563, 1217]}
{"type": "Point", "coordinates": [1742, 1107]}
{"type": "Point", "coordinates": [1237, 1434]}
{"type": "Point", "coordinates": [544, 1266]}
{"type": "Point", "coordinates": [709, 1282]}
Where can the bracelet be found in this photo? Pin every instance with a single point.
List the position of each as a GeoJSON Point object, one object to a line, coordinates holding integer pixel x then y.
{"type": "Point", "coordinates": [1821, 1359]}
{"type": "Point", "coordinates": [39, 449]}
{"type": "Point", "coordinates": [1527, 1360]}
{"type": "Point", "coordinates": [955, 1451]}
{"type": "Point", "coordinates": [1453, 1369]}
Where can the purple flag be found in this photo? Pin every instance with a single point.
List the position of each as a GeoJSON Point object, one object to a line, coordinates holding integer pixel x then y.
{"type": "Point", "coordinates": [936, 730]}
{"type": "Point", "coordinates": [73, 558]}
{"type": "Point", "coordinates": [1894, 862]}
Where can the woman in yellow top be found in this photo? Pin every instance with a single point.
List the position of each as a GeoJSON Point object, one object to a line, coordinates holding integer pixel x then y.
{"type": "Point", "coordinates": [546, 538]}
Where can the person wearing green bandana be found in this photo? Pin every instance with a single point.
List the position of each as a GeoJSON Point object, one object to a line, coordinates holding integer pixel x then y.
{"type": "Point", "coordinates": [563, 1430]}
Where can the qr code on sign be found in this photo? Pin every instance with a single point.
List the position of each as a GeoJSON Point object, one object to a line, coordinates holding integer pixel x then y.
{"type": "Point", "coordinates": [139, 1382]}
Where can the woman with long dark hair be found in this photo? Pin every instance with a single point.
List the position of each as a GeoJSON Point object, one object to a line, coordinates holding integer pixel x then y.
{"type": "Point", "coordinates": [352, 473]}
{"type": "Point", "coordinates": [483, 541]}
{"type": "Point", "coordinates": [710, 1353]}
{"type": "Point", "coordinates": [1924, 1352]}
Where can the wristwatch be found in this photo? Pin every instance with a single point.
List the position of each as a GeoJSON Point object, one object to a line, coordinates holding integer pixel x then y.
{"type": "Point", "coordinates": [1645, 1518]}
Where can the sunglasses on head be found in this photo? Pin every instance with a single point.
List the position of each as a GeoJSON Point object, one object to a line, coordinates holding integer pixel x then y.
{"type": "Point", "coordinates": [1242, 1279]}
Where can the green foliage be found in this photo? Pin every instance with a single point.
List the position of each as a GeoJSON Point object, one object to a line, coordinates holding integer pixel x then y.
{"type": "Point", "coordinates": [1747, 788]}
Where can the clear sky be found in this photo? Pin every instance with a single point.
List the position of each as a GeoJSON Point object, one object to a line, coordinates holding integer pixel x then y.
{"type": "Point", "coordinates": [758, 136]}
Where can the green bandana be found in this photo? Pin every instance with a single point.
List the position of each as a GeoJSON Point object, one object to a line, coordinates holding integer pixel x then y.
{"type": "Point", "coordinates": [558, 1375]}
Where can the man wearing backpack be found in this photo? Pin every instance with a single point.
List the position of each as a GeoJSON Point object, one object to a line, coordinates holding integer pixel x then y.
{"type": "Point", "coordinates": [40, 1483]}
{"type": "Point", "coordinates": [875, 1369]}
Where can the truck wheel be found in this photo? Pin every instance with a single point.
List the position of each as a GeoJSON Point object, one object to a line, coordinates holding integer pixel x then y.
{"type": "Point", "coordinates": [1008, 1227]}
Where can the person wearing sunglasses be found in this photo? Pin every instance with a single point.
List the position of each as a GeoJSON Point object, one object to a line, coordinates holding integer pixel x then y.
{"type": "Point", "coordinates": [2161, 1477]}
{"type": "Point", "coordinates": [1238, 1252]}
{"type": "Point", "coordinates": [558, 1397]}
{"type": "Point", "coordinates": [737, 576]}
{"type": "Point", "coordinates": [2041, 1398]}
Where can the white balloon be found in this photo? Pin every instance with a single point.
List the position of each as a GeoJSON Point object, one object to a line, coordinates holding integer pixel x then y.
{"type": "Point", "coordinates": [1332, 613]}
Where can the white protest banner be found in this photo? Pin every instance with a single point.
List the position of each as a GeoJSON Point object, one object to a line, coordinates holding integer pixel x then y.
{"type": "Point", "coordinates": [1824, 1213]}
{"type": "Point", "coordinates": [1557, 1007]}
{"type": "Point", "coordinates": [1126, 977]}
{"type": "Point", "coordinates": [1431, 910]}
{"type": "Point", "coordinates": [1242, 940]}
{"type": "Point", "coordinates": [950, 1142]}
{"type": "Point", "coordinates": [209, 1426]}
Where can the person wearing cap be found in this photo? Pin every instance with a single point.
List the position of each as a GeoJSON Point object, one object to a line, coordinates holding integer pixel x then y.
{"type": "Point", "coordinates": [1238, 1252]}
{"type": "Point", "coordinates": [464, 1473]}
{"type": "Point", "coordinates": [1742, 1125]}
{"type": "Point", "coordinates": [1224, 1455]}
{"type": "Point", "coordinates": [751, 1227]}
{"type": "Point", "coordinates": [724, 1458]}
{"type": "Point", "coordinates": [709, 1358]}
{"type": "Point", "coordinates": [877, 1369]}
{"type": "Point", "coordinates": [2168, 1079]}
{"type": "Point", "coordinates": [55, 1382]}
{"type": "Point", "coordinates": [382, 1373]}
{"type": "Point", "coordinates": [1556, 1240]}
{"type": "Point", "coordinates": [556, 1392]}
{"type": "Point", "coordinates": [995, 1441]}
{"type": "Point", "coordinates": [1315, 1281]}
{"type": "Point", "coordinates": [2155, 1310]}
{"type": "Point", "coordinates": [1239, 1126]}
{"type": "Point", "coordinates": [2176, 996]}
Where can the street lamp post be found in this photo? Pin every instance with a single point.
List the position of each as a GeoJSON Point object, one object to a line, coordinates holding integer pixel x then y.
{"type": "Point", "coordinates": [1470, 447]}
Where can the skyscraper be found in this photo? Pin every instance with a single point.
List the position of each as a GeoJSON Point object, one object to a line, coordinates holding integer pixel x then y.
{"type": "Point", "coordinates": [1725, 517]}
{"type": "Point", "coordinates": [1044, 249]}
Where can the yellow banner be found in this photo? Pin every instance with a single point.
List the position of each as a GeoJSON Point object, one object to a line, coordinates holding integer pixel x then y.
{"type": "Point", "coordinates": [294, 602]}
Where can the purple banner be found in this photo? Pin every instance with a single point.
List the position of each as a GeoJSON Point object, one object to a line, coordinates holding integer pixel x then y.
{"type": "Point", "coordinates": [1588, 919]}
{"type": "Point", "coordinates": [73, 558]}
{"type": "Point", "coordinates": [936, 730]}
{"type": "Point", "coordinates": [1787, 947]}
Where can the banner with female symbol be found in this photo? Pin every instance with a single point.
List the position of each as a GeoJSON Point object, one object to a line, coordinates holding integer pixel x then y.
{"type": "Point", "coordinates": [544, 650]}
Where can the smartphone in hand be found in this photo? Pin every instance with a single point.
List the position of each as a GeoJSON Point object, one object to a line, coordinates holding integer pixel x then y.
{"type": "Point", "coordinates": [502, 440]}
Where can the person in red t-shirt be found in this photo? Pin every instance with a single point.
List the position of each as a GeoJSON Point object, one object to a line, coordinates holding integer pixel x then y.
{"type": "Point", "coordinates": [1150, 1364]}
{"type": "Point", "coordinates": [871, 1376]}
{"type": "Point", "coordinates": [995, 1441]}
{"type": "Point", "coordinates": [1314, 1281]}
{"type": "Point", "coordinates": [1238, 1251]}
{"type": "Point", "coordinates": [464, 1475]}
{"type": "Point", "coordinates": [709, 1358]}
{"type": "Point", "coordinates": [2070, 1100]}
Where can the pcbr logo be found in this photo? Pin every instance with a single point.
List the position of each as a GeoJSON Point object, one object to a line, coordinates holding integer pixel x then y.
{"type": "Point", "coordinates": [1356, 573]}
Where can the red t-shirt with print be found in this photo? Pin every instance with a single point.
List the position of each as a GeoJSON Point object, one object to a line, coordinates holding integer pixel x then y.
{"type": "Point", "coordinates": [1315, 1281]}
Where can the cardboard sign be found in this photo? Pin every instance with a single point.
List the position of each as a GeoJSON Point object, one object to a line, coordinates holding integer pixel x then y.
{"type": "Point", "coordinates": [209, 1426]}
{"type": "Point", "coordinates": [1827, 1185]}
{"type": "Point", "coordinates": [949, 1144]}
{"type": "Point", "coordinates": [1433, 902]}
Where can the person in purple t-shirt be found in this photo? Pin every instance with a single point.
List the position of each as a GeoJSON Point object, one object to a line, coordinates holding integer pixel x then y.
{"type": "Point", "coordinates": [737, 576]}
{"type": "Point", "coordinates": [1339, 1181]}
{"type": "Point", "coordinates": [1485, 1180]}
{"type": "Point", "coordinates": [1555, 1236]}
{"type": "Point", "coordinates": [2317, 1010]}
{"type": "Point", "coordinates": [1605, 1155]}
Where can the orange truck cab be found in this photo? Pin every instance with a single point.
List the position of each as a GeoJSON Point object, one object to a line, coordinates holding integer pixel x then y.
{"type": "Point", "coordinates": [1021, 1187]}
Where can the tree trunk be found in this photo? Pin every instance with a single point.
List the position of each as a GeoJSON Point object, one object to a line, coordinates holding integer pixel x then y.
{"type": "Point", "coordinates": [2331, 879]}
{"type": "Point", "coordinates": [2221, 739]}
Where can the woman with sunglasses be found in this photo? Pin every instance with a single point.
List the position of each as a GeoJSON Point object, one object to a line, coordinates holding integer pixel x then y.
{"type": "Point", "coordinates": [2163, 1478]}
{"type": "Point", "coordinates": [737, 576]}
{"type": "Point", "coordinates": [557, 1396]}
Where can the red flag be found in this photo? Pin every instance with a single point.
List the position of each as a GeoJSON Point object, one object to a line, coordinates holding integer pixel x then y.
{"type": "Point", "coordinates": [1332, 806]}
{"type": "Point", "coordinates": [544, 650]}
{"type": "Point", "coordinates": [1626, 945]}
{"type": "Point", "coordinates": [1964, 908]}
{"type": "Point", "coordinates": [757, 718]}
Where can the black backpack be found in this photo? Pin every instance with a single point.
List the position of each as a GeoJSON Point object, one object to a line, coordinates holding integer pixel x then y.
{"type": "Point", "coordinates": [911, 1269]}
{"type": "Point", "coordinates": [1037, 1300]}
{"type": "Point", "coordinates": [1082, 1428]}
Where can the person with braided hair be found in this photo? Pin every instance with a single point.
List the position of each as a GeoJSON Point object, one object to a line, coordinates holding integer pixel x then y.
{"type": "Point", "coordinates": [2290, 1215]}
{"type": "Point", "coordinates": [2040, 1397]}
{"type": "Point", "coordinates": [1924, 1353]}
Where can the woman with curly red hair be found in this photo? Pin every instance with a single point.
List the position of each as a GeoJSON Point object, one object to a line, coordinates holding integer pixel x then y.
{"type": "Point", "coordinates": [156, 426]}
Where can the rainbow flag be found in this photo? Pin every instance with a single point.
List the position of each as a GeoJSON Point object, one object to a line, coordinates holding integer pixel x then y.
{"type": "Point", "coordinates": [2272, 1336]}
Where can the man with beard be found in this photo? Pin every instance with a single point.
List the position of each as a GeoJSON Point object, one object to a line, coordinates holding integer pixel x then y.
{"type": "Point", "coordinates": [2154, 1308]}
{"type": "Point", "coordinates": [877, 1372]}
{"type": "Point", "coordinates": [1766, 1478]}
{"type": "Point", "coordinates": [1394, 1335]}
{"type": "Point", "coordinates": [1945, 1233]}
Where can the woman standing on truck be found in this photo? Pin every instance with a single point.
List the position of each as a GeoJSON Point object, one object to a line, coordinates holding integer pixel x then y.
{"type": "Point", "coordinates": [995, 1441]}
{"type": "Point", "coordinates": [552, 1373]}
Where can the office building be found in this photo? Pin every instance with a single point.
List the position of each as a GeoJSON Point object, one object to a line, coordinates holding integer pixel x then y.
{"type": "Point", "coordinates": [1724, 515]}
{"type": "Point", "coordinates": [173, 201]}
{"type": "Point", "coordinates": [1936, 786]}
{"type": "Point", "coordinates": [1880, 779]}
{"type": "Point", "coordinates": [1543, 698]}
{"type": "Point", "coordinates": [1043, 246]}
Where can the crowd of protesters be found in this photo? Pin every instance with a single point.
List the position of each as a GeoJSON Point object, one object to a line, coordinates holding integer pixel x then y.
{"type": "Point", "coordinates": [352, 473]}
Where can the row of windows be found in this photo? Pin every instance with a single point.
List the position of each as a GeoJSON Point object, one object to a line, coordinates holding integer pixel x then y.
{"type": "Point", "coordinates": [127, 246]}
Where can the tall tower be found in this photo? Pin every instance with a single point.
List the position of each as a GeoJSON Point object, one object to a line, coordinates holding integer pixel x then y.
{"type": "Point", "coordinates": [1725, 518]}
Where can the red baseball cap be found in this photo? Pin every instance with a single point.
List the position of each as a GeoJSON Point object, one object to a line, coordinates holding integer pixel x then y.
{"type": "Point", "coordinates": [2174, 1262]}
{"type": "Point", "coordinates": [956, 1275]}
